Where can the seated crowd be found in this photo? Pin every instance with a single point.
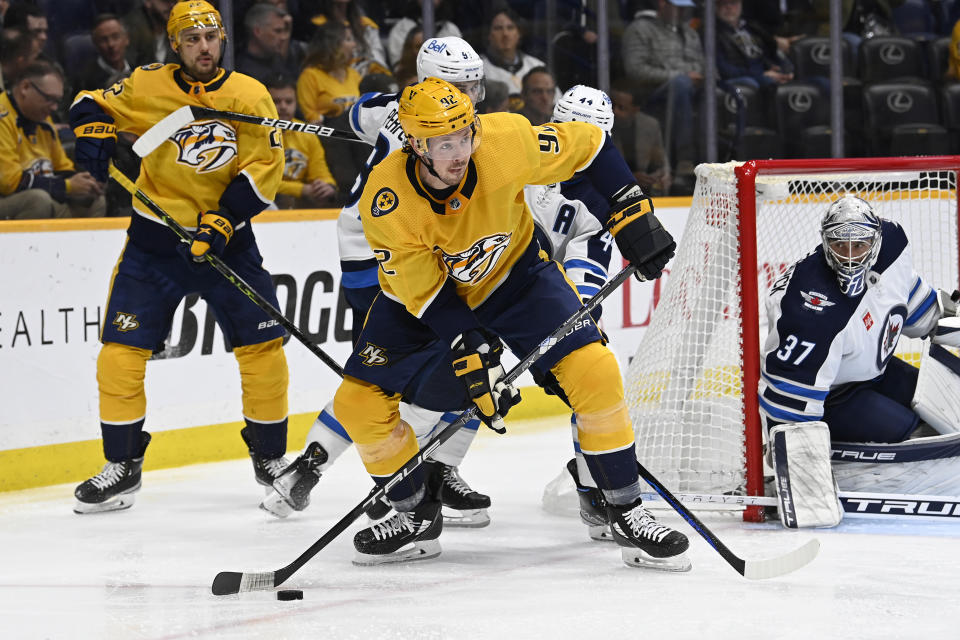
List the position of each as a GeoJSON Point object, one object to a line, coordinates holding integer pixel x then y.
{"type": "Point", "coordinates": [318, 57]}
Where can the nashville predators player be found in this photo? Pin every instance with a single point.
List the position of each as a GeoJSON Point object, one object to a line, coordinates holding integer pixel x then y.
{"type": "Point", "coordinates": [459, 271]}
{"type": "Point", "coordinates": [212, 177]}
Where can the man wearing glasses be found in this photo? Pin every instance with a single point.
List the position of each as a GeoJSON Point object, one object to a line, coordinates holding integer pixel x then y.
{"type": "Point", "coordinates": [37, 179]}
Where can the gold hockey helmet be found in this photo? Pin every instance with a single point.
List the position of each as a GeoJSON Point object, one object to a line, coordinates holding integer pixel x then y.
{"type": "Point", "coordinates": [434, 108]}
{"type": "Point", "coordinates": [190, 14]}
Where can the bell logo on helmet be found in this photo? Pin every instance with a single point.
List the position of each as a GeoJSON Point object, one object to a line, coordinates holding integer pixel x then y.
{"type": "Point", "coordinates": [436, 45]}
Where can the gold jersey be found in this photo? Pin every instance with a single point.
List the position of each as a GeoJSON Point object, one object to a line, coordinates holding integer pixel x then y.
{"type": "Point", "coordinates": [476, 235]}
{"type": "Point", "coordinates": [320, 94]}
{"type": "Point", "coordinates": [189, 172]}
{"type": "Point", "coordinates": [28, 150]}
{"type": "Point", "coordinates": [304, 162]}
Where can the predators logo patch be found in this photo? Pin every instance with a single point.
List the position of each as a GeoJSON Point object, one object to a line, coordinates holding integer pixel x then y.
{"type": "Point", "coordinates": [472, 266]}
{"type": "Point", "coordinates": [384, 202]}
{"type": "Point", "coordinates": [206, 146]}
{"type": "Point", "coordinates": [294, 164]}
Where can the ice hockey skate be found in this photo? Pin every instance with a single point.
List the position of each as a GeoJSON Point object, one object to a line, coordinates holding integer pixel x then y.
{"type": "Point", "coordinates": [266, 470]}
{"type": "Point", "coordinates": [593, 507]}
{"type": "Point", "coordinates": [645, 542]}
{"type": "Point", "coordinates": [112, 489]}
{"type": "Point", "coordinates": [403, 537]}
{"type": "Point", "coordinates": [463, 507]}
{"type": "Point", "coordinates": [291, 491]}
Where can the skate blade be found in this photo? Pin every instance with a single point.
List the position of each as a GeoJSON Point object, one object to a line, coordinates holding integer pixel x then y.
{"type": "Point", "coordinates": [419, 550]}
{"type": "Point", "coordinates": [600, 532]}
{"type": "Point", "coordinates": [275, 505]}
{"type": "Point", "coordinates": [633, 557]}
{"type": "Point", "coordinates": [117, 503]}
{"type": "Point", "coordinates": [466, 518]}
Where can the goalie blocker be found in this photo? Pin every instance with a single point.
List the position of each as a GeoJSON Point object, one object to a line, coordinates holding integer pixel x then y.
{"type": "Point", "coordinates": [806, 488]}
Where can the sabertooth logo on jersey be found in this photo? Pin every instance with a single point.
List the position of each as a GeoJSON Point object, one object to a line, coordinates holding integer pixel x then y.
{"type": "Point", "coordinates": [373, 356]}
{"type": "Point", "coordinates": [126, 321]}
{"type": "Point", "coordinates": [206, 146]}
{"type": "Point", "coordinates": [294, 164]}
{"type": "Point", "coordinates": [472, 266]}
{"type": "Point", "coordinates": [816, 301]}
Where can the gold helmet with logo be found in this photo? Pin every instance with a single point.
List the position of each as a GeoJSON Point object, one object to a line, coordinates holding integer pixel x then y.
{"type": "Point", "coordinates": [193, 13]}
{"type": "Point", "coordinates": [433, 108]}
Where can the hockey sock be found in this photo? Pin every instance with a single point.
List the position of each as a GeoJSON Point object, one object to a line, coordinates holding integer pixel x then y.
{"type": "Point", "coordinates": [329, 434]}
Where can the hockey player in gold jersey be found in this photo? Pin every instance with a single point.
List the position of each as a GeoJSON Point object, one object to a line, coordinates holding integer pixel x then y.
{"type": "Point", "coordinates": [460, 272]}
{"type": "Point", "coordinates": [212, 176]}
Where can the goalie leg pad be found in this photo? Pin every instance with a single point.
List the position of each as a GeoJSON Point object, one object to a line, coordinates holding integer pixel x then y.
{"type": "Point", "coordinates": [806, 487]}
{"type": "Point", "coordinates": [937, 397]}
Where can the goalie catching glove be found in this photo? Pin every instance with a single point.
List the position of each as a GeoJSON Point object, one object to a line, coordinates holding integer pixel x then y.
{"type": "Point", "coordinates": [641, 238]}
{"type": "Point", "coordinates": [476, 361]}
{"type": "Point", "coordinates": [214, 230]}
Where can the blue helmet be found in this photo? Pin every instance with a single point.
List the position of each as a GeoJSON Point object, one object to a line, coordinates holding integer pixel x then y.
{"type": "Point", "coordinates": [850, 232]}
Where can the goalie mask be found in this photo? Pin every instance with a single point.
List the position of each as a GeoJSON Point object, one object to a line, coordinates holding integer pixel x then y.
{"type": "Point", "coordinates": [193, 14]}
{"type": "Point", "coordinates": [581, 103]}
{"type": "Point", "coordinates": [850, 231]}
{"type": "Point", "coordinates": [435, 108]}
{"type": "Point", "coordinates": [454, 60]}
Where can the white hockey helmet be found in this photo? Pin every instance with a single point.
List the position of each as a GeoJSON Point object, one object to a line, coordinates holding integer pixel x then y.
{"type": "Point", "coordinates": [850, 232]}
{"type": "Point", "coordinates": [454, 60]}
{"type": "Point", "coordinates": [581, 103]}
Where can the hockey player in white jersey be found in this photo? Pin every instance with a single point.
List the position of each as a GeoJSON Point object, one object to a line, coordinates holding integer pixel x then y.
{"type": "Point", "coordinates": [828, 362]}
{"type": "Point", "coordinates": [568, 228]}
{"type": "Point", "coordinates": [374, 119]}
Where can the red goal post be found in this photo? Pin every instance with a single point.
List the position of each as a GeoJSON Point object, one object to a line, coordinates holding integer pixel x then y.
{"type": "Point", "coordinates": [692, 385]}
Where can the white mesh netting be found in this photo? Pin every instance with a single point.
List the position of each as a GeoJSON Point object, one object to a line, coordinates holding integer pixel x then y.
{"type": "Point", "coordinates": [684, 385]}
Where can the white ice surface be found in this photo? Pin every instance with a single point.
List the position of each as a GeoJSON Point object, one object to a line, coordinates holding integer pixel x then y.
{"type": "Point", "coordinates": [146, 572]}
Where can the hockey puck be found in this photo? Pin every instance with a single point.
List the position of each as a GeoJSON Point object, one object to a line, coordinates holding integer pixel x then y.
{"type": "Point", "coordinates": [290, 594]}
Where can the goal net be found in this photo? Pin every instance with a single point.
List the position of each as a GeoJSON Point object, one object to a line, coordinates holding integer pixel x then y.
{"type": "Point", "coordinates": [692, 385]}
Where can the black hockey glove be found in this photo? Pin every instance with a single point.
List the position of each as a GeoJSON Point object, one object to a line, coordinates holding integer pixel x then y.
{"type": "Point", "coordinates": [476, 361]}
{"type": "Point", "coordinates": [639, 235]}
{"type": "Point", "coordinates": [95, 145]}
{"type": "Point", "coordinates": [214, 230]}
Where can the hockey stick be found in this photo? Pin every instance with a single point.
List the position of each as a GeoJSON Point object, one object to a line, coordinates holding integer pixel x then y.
{"type": "Point", "coordinates": [217, 263]}
{"type": "Point", "coordinates": [752, 569]}
{"type": "Point", "coordinates": [176, 120]}
{"type": "Point", "coordinates": [230, 582]}
{"type": "Point", "coordinates": [855, 503]}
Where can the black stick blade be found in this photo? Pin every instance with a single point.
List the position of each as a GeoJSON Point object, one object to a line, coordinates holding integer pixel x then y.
{"type": "Point", "coordinates": [226, 583]}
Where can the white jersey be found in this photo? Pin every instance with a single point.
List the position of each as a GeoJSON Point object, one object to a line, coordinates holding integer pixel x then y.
{"type": "Point", "coordinates": [571, 235]}
{"type": "Point", "coordinates": [374, 119]}
{"type": "Point", "coordinates": [821, 340]}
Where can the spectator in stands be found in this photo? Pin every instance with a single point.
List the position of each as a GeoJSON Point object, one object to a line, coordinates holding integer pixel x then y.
{"type": "Point", "coordinates": [270, 50]}
{"type": "Point", "coordinates": [111, 41]}
{"type": "Point", "coordinates": [497, 99]}
{"type": "Point", "coordinates": [16, 54]}
{"type": "Point", "coordinates": [307, 181]}
{"type": "Point", "coordinates": [37, 179]}
{"type": "Point", "coordinates": [31, 19]}
{"type": "Point", "coordinates": [328, 85]}
{"type": "Point", "coordinates": [664, 58]}
{"type": "Point", "coordinates": [504, 61]}
{"type": "Point", "coordinates": [637, 136]}
{"type": "Point", "coordinates": [860, 19]}
{"type": "Point", "coordinates": [405, 71]}
{"type": "Point", "coordinates": [369, 55]}
{"type": "Point", "coordinates": [746, 54]}
{"type": "Point", "coordinates": [443, 26]}
{"type": "Point", "coordinates": [147, 30]}
{"type": "Point", "coordinates": [953, 62]}
{"type": "Point", "coordinates": [787, 20]}
{"type": "Point", "coordinates": [539, 93]}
